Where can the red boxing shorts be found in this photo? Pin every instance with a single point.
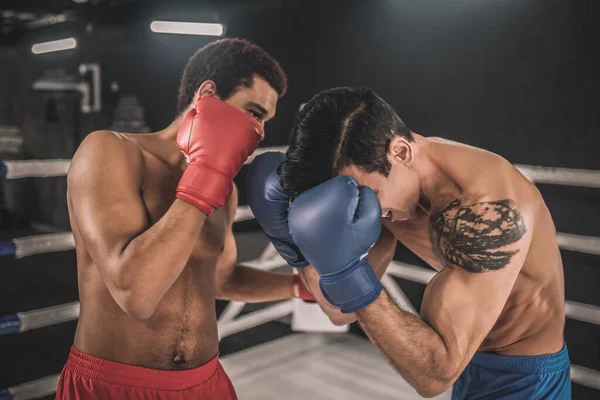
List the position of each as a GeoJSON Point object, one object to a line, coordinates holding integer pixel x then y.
{"type": "Point", "coordinates": [87, 377]}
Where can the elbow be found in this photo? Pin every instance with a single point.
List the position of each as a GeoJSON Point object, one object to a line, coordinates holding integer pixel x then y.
{"type": "Point", "coordinates": [341, 322]}
{"type": "Point", "coordinates": [135, 301]}
{"type": "Point", "coordinates": [433, 386]}
{"type": "Point", "coordinates": [135, 295]}
{"type": "Point", "coordinates": [339, 319]}
{"type": "Point", "coordinates": [135, 305]}
{"type": "Point", "coordinates": [429, 392]}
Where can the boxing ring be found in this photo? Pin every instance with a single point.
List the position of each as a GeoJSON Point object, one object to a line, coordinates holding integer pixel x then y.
{"type": "Point", "coordinates": [318, 362]}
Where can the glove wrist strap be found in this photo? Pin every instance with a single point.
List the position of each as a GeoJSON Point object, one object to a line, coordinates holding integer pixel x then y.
{"type": "Point", "coordinates": [206, 185]}
{"type": "Point", "coordinates": [353, 289]}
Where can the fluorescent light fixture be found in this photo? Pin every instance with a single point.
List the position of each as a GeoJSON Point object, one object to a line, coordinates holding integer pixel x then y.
{"type": "Point", "coordinates": [55, 45]}
{"type": "Point", "coordinates": [187, 28]}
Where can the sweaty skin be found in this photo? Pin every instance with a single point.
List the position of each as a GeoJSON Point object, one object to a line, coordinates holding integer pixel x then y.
{"type": "Point", "coordinates": [149, 266]}
{"type": "Point", "coordinates": [500, 285]}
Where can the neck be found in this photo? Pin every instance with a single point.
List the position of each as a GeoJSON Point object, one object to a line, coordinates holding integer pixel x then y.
{"type": "Point", "coordinates": [437, 188]}
{"type": "Point", "coordinates": [170, 132]}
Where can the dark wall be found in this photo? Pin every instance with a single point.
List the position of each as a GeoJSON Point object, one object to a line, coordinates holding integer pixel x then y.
{"type": "Point", "coordinates": [516, 77]}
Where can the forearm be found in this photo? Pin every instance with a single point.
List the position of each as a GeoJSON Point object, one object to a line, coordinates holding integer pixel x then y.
{"type": "Point", "coordinates": [379, 258]}
{"type": "Point", "coordinates": [311, 281]}
{"type": "Point", "coordinates": [411, 346]}
{"type": "Point", "coordinates": [149, 264]}
{"type": "Point", "coordinates": [252, 285]}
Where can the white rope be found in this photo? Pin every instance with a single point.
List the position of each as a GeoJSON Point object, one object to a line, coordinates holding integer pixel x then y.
{"type": "Point", "coordinates": [53, 242]}
{"type": "Point", "coordinates": [262, 150]}
{"type": "Point", "coordinates": [410, 272]}
{"type": "Point", "coordinates": [561, 176]}
{"type": "Point", "coordinates": [245, 322]}
{"type": "Point", "coordinates": [232, 310]}
{"type": "Point", "coordinates": [585, 376]}
{"type": "Point", "coordinates": [583, 312]}
{"type": "Point", "coordinates": [266, 264]}
{"type": "Point", "coordinates": [40, 244]}
{"type": "Point", "coordinates": [10, 144]}
{"type": "Point", "coordinates": [35, 389]}
{"type": "Point", "coordinates": [48, 316]}
{"type": "Point", "coordinates": [17, 169]}
{"type": "Point", "coordinates": [243, 213]}
{"type": "Point", "coordinates": [269, 259]}
{"type": "Point", "coordinates": [36, 168]}
{"type": "Point", "coordinates": [537, 174]}
{"type": "Point", "coordinates": [574, 310]}
{"type": "Point", "coordinates": [583, 244]}
{"type": "Point", "coordinates": [398, 294]}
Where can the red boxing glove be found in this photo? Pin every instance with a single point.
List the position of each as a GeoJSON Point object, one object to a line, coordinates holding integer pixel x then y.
{"type": "Point", "coordinates": [216, 139]}
{"type": "Point", "coordinates": [300, 291]}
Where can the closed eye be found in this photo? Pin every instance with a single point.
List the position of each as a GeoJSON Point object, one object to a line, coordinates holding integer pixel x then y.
{"type": "Point", "coordinates": [256, 115]}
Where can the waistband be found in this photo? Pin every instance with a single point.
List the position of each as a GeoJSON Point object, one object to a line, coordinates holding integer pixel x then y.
{"type": "Point", "coordinates": [543, 364]}
{"type": "Point", "coordinates": [87, 366]}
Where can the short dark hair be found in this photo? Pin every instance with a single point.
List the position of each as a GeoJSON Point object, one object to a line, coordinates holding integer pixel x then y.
{"type": "Point", "coordinates": [337, 128]}
{"type": "Point", "coordinates": [231, 64]}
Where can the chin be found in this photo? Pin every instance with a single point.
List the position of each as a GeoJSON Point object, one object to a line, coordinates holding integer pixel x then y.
{"type": "Point", "coordinates": [402, 215]}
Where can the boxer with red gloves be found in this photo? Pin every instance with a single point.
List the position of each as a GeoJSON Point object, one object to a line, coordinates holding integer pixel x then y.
{"type": "Point", "coordinates": [216, 139]}
{"type": "Point", "coordinates": [152, 218]}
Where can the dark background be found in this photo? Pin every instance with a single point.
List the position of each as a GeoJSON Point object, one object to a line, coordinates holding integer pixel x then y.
{"type": "Point", "coordinates": [517, 77]}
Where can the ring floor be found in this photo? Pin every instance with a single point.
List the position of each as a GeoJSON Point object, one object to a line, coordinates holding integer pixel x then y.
{"type": "Point", "coordinates": [316, 367]}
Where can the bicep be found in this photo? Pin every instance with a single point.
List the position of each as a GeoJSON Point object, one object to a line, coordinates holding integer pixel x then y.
{"type": "Point", "coordinates": [104, 194]}
{"type": "Point", "coordinates": [483, 246]}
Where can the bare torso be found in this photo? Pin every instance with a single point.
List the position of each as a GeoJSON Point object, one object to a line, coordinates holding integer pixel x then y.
{"type": "Point", "coordinates": [533, 317]}
{"type": "Point", "coordinates": [182, 332]}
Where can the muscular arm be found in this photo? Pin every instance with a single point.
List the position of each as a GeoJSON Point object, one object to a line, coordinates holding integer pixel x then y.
{"type": "Point", "coordinates": [379, 257]}
{"type": "Point", "coordinates": [241, 283]}
{"type": "Point", "coordinates": [483, 246]}
{"type": "Point", "coordinates": [138, 263]}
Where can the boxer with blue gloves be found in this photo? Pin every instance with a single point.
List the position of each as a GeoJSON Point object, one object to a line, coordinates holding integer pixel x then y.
{"type": "Point", "coordinates": [271, 207]}
{"type": "Point", "coordinates": [336, 224]}
{"type": "Point", "coordinates": [492, 318]}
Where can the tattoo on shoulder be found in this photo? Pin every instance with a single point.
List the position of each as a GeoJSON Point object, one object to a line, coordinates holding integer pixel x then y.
{"type": "Point", "coordinates": [477, 237]}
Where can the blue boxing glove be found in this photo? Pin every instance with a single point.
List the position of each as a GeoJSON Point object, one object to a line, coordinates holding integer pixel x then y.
{"type": "Point", "coordinates": [269, 203]}
{"type": "Point", "coordinates": [336, 224]}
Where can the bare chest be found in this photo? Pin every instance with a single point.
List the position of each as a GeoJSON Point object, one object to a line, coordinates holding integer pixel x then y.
{"type": "Point", "coordinates": [158, 194]}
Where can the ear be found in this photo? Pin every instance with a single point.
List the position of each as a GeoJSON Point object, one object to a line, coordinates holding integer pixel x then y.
{"type": "Point", "coordinates": [207, 88]}
{"type": "Point", "coordinates": [400, 151]}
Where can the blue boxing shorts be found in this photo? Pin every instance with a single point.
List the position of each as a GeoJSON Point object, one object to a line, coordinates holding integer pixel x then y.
{"type": "Point", "coordinates": [492, 376]}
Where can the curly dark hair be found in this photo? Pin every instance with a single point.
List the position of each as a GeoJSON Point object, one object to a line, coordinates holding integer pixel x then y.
{"type": "Point", "coordinates": [337, 128]}
{"type": "Point", "coordinates": [231, 64]}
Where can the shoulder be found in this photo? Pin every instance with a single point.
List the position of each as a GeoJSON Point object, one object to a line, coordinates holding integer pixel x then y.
{"type": "Point", "coordinates": [478, 234]}
{"type": "Point", "coordinates": [105, 143]}
{"type": "Point", "coordinates": [104, 151]}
